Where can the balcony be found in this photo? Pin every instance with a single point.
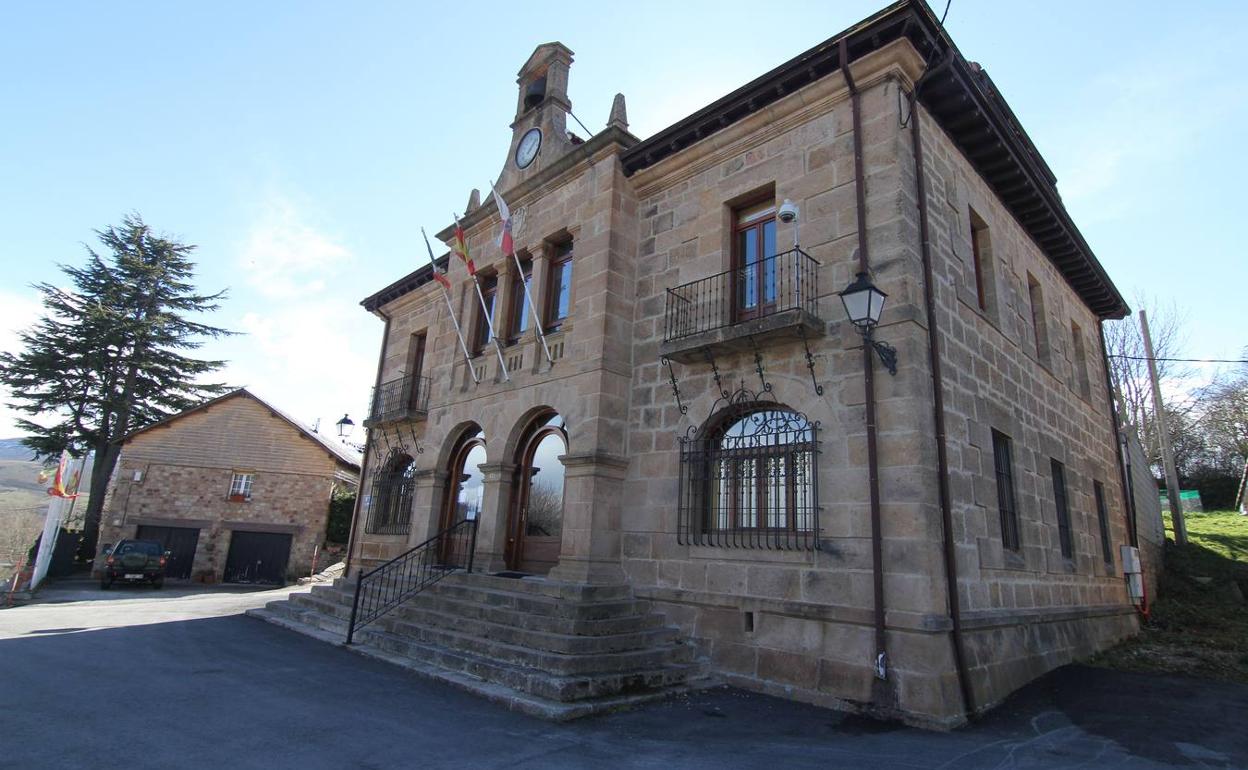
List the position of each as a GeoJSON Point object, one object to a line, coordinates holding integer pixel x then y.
{"type": "Point", "coordinates": [772, 298]}
{"type": "Point", "coordinates": [406, 398]}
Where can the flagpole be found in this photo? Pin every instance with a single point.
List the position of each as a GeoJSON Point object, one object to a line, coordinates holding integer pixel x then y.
{"type": "Point", "coordinates": [489, 320]}
{"type": "Point", "coordinates": [454, 321]}
{"type": "Point", "coordinates": [528, 297]}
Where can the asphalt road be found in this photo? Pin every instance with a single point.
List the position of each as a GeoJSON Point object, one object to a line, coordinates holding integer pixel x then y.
{"type": "Point", "coordinates": [178, 678]}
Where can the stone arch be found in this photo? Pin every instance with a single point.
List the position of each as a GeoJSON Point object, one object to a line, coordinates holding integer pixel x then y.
{"type": "Point", "coordinates": [454, 437]}
{"type": "Point", "coordinates": [518, 430]}
{"type": "Point", "coordinates": [536, 511]}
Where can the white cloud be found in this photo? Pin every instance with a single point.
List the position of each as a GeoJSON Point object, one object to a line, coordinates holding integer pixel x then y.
{"type": "Point", "coordinates": [284, 257]}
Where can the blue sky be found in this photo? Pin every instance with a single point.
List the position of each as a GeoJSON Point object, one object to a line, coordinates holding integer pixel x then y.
{"type": "Point", "coordinates": [302, 145]}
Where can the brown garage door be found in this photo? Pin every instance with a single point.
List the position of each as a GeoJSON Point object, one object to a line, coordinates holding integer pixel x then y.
{"type": "Point", "coordinates": [180, 542]}
{"type": "Point", "coordinates": [257, 557]}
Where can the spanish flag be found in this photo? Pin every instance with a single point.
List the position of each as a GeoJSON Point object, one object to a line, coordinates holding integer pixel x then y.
{"type": "Point", "coordinates": [459, 246]}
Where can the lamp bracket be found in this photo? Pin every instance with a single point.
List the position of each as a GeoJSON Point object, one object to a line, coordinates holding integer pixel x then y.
{"type": "Point", "coordinates": [810, 362]}
{"type": "Point", "coordinates": [758, 366]}
{"type": "Point", "coordinates": [710, 359]}
{"type": "Point", "coordinates": [671, 375]}
{"type": "Point", "coordinates": [888, 355]}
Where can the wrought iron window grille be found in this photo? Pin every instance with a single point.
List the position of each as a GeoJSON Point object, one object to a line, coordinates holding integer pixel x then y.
{"type": "Point", "coordinates": [749, 477]}
{"type": "Point", "coordinates": [390, 506]}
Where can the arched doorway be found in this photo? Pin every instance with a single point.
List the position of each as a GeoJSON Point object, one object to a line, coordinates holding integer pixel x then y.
{"type": "Point", "coordinates": [535, 522]}
{"type": "Point", "coordinates": [465, 488]}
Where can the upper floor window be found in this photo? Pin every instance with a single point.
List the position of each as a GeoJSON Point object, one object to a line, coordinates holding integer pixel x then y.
{"type": "Point", "coordinates": [1079, 360]}
{"type": "Point", "coordinates": [754, 264]}
{"type": "Point", "coordinates": [1036, 295]}
{"type": "Point", "coordinates": [981, 259]}
{"type": "Point", "coordinates": [1063, 508]}
{"type": "Point", "coordinates": [560, 289]}
{"type": "Point", "coordinates": [521, 281]}
{"type": "Point", "coordinates": [749, 480]}
{"type": "Point", "coordinates": [1003, 460]}
{"type": "Point", "coordinates": [489, 292]}
{"type": "Point", "coordinates": [240, 486]}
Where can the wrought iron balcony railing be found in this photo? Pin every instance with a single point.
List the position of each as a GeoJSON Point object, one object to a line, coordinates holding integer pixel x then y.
{"type": "Point", "coordinates": [403, 398]}
{"type": "Point", "coordinates": [784, 282]}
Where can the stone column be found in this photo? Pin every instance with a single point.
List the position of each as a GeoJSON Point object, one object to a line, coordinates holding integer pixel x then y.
{"type": "Point", "coordinates": [593, 498]}
{"type": "Point", "coordinates": [492, 528]}
{"type": "Point", "coordinates": [427, 498]}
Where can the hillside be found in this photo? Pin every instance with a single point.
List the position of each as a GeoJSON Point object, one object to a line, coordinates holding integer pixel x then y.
{"type": "Point", "coordinates": [12, 449]}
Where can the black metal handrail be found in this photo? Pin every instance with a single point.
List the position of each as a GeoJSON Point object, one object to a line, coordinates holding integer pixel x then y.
{"type": "Point", "coordinates": [400, 398]}
{"type": "Point", "coordinates": [385, 587]}
{"type": "Point", "coordinates": [782, 282]}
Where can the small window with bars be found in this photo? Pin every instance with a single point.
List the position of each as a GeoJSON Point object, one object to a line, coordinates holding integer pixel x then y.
{"type": "Point", "coordinates": [240, 486]}
{"type": "Point", "coordinates": [1003, 459]}
{"type": "Point", "coordinates": [1063, 508]}
{"type": "Point", "coordinates": [750, 481]}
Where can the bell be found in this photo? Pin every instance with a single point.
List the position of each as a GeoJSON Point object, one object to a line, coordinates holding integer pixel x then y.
{"type": "Point", "coordinates": [535, 93]}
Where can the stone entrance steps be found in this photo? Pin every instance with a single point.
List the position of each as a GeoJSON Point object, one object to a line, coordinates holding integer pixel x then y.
{"type": "Point", "coordinates": [552, 650]}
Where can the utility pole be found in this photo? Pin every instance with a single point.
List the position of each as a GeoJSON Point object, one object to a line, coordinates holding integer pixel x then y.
{"type": "Point", "coordinates": [1163, 436]}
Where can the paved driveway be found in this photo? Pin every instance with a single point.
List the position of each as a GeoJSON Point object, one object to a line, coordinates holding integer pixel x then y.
{"type": "Point", "coordinates": [178, 678]}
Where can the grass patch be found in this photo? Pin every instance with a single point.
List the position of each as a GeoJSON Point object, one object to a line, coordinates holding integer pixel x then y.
{"type": "Point", "coordinates": [1199, 621]}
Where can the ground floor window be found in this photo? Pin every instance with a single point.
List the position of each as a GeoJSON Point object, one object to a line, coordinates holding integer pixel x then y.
{"type": "Point", "coordinates": [748, 479]}
{"type": "Point", "coordinates": [390, 504]}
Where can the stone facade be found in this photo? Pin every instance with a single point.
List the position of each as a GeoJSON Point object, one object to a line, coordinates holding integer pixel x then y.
{"type": "Point", "coordinates": [797, 622]}
{"type": "Point", "coordinates": [178, 474]}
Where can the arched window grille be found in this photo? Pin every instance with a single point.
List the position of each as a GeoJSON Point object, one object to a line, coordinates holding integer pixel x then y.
{"type": "Point", "coordinates": [390, 509]}
{"type": "Point", "coordinates": [749, 478]}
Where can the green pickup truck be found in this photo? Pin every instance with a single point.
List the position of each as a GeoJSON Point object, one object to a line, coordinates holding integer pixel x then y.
{"type": "Point", "coordinates": [135, 561]}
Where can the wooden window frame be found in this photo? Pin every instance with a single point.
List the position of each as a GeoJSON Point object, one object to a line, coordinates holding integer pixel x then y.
{"type": "Point", "coordinates": [562, 255]}
{"type": "Point", "coordinates": [516, 313]}
{"type": "Point", "coordinates": [759, 267]}
{"type": "Point", "coordinates": [242, 482]}
{"type": "Point", "coordinates": [481, 332]}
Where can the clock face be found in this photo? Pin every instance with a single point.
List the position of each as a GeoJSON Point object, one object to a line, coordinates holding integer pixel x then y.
{"type": "Point", "coordinates": [530, 143]}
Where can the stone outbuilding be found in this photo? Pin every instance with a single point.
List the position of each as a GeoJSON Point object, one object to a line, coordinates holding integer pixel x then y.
{"type": "Point", "coordinates": [236, 489]}
{"type": "Point", "coordinates": [913, 521]}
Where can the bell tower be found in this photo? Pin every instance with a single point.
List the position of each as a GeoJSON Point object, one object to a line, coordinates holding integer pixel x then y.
{"type": "Point", "coordinates": [539, 134]}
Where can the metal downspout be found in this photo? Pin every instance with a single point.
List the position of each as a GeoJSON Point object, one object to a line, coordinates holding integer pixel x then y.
{"type": "Point", "coordinates": [868, 375]}
{"type": "Point", "coordinates": [938, 397]}
{"type": "Point", "coordinates": [368, 445]}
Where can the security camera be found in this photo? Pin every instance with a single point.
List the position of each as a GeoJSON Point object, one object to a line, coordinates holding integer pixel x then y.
{"type": "Point", "coordinates": [788, 211]}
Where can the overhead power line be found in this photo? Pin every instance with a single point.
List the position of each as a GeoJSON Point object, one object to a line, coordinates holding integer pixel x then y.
{"type": "Point", "coordinates": [1184, 360]}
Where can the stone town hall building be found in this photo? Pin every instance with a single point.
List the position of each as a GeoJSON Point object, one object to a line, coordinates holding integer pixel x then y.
{"type": "Point", "coordinates": [714, 445]}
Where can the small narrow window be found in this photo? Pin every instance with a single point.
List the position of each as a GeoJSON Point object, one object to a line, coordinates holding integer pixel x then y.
{"type": "Point", "coordinates": [1103, 517]}
{"type": "Point", "coordinates": [489, 289]}
{"type": "Point", "coordinates": [415, 391]}
{"type": "Point", "coordinates": [1002, 455]}
{"type": "Point", "coordinates": [1037, 319]}
{"type": "Point", "coordinates": [560, 293]}
{"type": "Point", "coordinates": [240, 486]}
{"type": "Point", "coordinates": [1063, 510]}
{"type": "Point", "coordinates": [1079, 361]}
{"type": "Point", "coordinates": [980, 257]}
{"type": "Point", "coordinates": [520, 283]}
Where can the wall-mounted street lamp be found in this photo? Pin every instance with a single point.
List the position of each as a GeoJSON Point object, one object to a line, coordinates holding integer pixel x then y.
{"type": "Point", "coordinates": [863, 304]}
{"type": "Point", "coordinates": [345, 426]}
